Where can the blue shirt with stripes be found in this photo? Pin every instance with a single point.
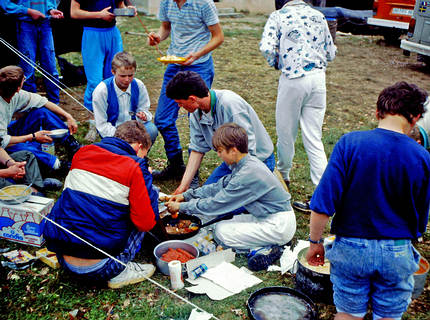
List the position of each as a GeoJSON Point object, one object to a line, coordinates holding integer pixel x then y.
{"type": "Point", "coordinates": [189, 25]}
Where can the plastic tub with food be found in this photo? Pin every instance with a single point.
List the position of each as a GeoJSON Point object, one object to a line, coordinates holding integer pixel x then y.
{"type": "Point", "coordinates": [15, 194]}
{"type": "Point", "coordinates": [174, 250]}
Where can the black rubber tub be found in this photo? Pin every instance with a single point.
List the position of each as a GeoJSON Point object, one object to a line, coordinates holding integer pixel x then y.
{"type": "Point", "coordinates": [315, 285]}
{"type": "Point", "coordinates": [276, 303]}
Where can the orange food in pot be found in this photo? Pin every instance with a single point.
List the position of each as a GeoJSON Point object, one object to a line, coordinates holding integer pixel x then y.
{"type": "Point", "coordinates": [177, 254]}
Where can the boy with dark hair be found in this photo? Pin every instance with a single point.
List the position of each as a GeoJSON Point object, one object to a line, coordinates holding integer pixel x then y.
{"type": "Point", "coordinates": [121, 98]}
{"type": "Point", "coordinates": [108, 200]}
{"type": "Point", "coordinates": [209, 109]}
{"type": "Point", "coordinates": [377, 188]}
{"type": "Point", "coordinates": [250, 185]}
{"type": "Point", "coordinates": [195, 31]}
{"type": "Point", "coordinates": [33, 112]}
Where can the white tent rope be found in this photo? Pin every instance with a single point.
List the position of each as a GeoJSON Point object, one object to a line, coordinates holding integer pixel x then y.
{"type": "Point", "coordinates": [48, 76]}
{"type": "Point", "coordinates": [43, 72]}
{"type": "Point", "coordinates": [124, 264]}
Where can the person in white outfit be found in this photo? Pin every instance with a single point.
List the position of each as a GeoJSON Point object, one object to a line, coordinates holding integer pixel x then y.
{"type": "Point", "coordinates": [297, 41]}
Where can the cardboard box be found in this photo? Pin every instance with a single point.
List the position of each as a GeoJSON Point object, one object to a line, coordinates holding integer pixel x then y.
{"type": "Point", "coordinates": [23, 222]}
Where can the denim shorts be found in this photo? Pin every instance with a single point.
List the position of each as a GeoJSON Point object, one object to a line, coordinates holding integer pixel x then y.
{"type": "Point", "coordinates": [375, 272]}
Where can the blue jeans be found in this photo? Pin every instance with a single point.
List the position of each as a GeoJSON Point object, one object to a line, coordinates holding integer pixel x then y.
{"type": "Point", "coordinates": [35, 41]}
{"type": "Point", "coordinates": [99, 45]}
{"type": "Point", "coordinates": [379, 272]}
{"type": "Point", "coordinates": [152, 130]}
{"type": "Point", "coordinates": [167, 109]}
{"type": "Point", "coordinates": [109, 268]}
{"type": "Point", "coordinates": [32, 121]}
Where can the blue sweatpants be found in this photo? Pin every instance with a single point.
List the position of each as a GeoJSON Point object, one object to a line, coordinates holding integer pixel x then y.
{"type": "Point", "coordinates": [99, 45]}
{"type": "Point", "coordinates": [32, 121]}
{"type": "Point", "coordinates": [35, 41]}
{"type": "Point", "coordinates": [167, 109]}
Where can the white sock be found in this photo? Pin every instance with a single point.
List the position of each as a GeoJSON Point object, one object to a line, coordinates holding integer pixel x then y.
{"type": "Point", "coordinates": [56, 164]}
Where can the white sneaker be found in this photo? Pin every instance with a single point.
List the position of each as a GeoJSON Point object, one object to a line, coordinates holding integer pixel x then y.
{"type": "Point", "coordinates": [133, 273]}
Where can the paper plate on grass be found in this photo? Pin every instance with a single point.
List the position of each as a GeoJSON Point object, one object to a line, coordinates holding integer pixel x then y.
{"type": "Point", "coordinates": [58, 133]}
{"type": "Point", "coordinates": [171, 59]}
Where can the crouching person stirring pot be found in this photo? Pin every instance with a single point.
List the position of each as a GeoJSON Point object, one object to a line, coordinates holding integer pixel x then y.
{"type": "Point", "coordinates": [251, 185]}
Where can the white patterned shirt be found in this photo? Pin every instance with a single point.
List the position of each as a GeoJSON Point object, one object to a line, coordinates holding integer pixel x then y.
{"type": "Point", "coordinates": [297, 40]}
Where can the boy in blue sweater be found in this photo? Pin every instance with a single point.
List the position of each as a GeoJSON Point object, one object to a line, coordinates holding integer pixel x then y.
{"type": "Point", "coordinates": [377, 188]}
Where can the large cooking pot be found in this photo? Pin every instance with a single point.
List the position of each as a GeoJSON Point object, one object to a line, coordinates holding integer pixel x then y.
{"type": "Point", "coordinates": [276, 303]}
{"type": "Point", "coordinates": [315, 285]}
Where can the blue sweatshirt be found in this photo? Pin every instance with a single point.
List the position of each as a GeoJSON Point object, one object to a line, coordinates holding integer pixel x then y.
{"type": "Point", "coordinates": [377, 186]}
{"type": "Point", "coordinates": [21, 6]}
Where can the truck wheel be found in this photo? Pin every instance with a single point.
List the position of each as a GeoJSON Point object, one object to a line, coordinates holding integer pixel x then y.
{"type": "Point", "coordinates": [425, 60]}
{"type": "Point", "coordinates": [392, 36]}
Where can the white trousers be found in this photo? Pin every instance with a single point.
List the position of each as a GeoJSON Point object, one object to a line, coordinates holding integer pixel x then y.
{"type": "Point", "coordinates": [301, 100]}
{"type": "Point", "coordinates": [247, 232]}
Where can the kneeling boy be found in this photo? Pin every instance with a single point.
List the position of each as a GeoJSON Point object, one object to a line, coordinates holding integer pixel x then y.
{"type": "Point", "coordinates": [250, 185]}
{"type": "Point", "coordinates": [109, 200]}
{"type": "Point", "coordinates": [122, 98]}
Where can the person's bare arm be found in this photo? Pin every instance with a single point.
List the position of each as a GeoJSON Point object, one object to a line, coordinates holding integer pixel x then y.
{"type": "Point", "coordinates": [315, 254]}
{"type": "Point", "coordinates": [39, 136]}
{"type": "Point", "coordinates": [5, 159]}
{"type": "Point", "coordinates": [71, 122]}
{"type": "Point", "coordinates": [162, 34]}
{"type": "Point", "coordinates": [193, 165]}
{"type": "Point", "coordinates": [77, 13]}
{"type": "Point", "coordinates": [217, 37]}
{"type": "Point", "coordinates": [14, 170]}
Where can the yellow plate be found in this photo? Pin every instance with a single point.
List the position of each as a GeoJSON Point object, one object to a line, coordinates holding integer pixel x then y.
{"type": "Point", "coordinates": [171, 59]}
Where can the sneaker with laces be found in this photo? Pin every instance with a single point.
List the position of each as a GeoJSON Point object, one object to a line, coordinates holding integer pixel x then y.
{"type": "Point", "coordinates": [261, 259]}
{"type": "Point", "coordinates": [133, 273]}
{"type": "Point", "coordinates": [302, 206]}
{"type": "Point", "coordinates": [52, 184]}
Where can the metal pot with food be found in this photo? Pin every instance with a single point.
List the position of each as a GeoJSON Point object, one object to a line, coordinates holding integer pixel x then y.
{"type": "Point", "coordinates": [314, 281]}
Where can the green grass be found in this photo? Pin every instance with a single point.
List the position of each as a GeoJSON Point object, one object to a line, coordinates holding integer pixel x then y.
{"type": "Point", "coordinates": [361, 69]}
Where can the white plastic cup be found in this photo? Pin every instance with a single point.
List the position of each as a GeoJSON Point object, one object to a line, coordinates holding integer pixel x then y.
{"type": "Point", "coordinates": [175, 271]}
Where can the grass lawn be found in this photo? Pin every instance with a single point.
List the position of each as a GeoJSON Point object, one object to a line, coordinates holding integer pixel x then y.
{"type": "Point", "coordinates": [363, 67]}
